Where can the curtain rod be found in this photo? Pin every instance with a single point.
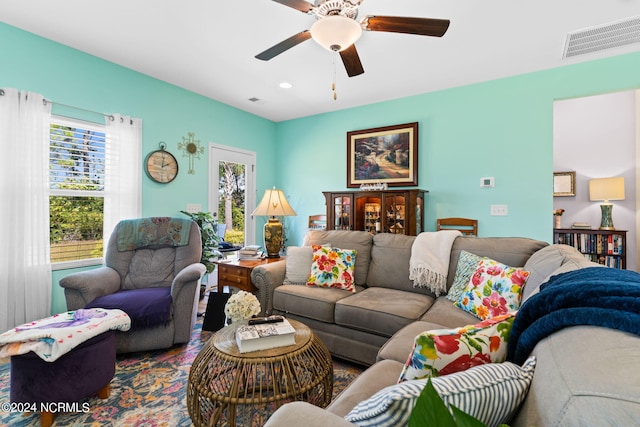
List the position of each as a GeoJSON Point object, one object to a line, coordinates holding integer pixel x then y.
{"type": "Point", "coordinates": [44, 101]}
{"type": "Point", "coordinates": [110, 116]}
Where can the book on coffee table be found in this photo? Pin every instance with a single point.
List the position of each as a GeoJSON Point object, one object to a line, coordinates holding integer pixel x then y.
{"type": "Point", "coordinates": [265, 336]}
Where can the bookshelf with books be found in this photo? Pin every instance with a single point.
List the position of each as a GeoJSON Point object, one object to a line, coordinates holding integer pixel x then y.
{"type": "Point", "coordinates": [607, 247]}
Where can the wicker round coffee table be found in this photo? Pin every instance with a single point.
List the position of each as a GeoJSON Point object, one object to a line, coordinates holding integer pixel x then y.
{"type": "Point", "coordinates": [227, 387]}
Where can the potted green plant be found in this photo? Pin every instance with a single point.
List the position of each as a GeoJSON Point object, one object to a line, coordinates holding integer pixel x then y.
{"type": "Point", "coordinates": [210, 239]}
{"type": "Point", "coordinates": [430, 410]}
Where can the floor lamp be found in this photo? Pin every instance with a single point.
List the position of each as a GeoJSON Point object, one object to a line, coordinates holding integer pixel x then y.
{"type": "Point", "coordinates": [273, 204]}
{"type": "Point", "coordinates": [606, 189]}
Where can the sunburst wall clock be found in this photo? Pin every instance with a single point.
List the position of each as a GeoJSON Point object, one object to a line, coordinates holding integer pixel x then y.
{"type": "Point", "coordinates": [192, 149]}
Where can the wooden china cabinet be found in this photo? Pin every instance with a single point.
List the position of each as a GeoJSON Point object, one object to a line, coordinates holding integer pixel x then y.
{"type": "Point", "coordinates": [386, 211]}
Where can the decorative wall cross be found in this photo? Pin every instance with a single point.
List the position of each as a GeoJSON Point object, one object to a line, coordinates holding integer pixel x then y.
{"type": "Point", "coordinates": [191, 148]}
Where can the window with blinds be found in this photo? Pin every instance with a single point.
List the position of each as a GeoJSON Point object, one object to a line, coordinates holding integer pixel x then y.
{"type": "Point", "coordinates": [77, 159]}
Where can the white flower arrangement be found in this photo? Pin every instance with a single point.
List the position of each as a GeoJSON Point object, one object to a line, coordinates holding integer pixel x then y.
{"type": "Point", "coordinates": [242, 305]}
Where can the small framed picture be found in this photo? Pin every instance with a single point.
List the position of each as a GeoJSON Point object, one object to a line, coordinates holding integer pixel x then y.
{"type": "Point", "coordinates": [564, 184]}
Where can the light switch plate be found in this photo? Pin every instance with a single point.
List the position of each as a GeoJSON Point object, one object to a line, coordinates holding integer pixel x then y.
{"type": "Point", "coordinates": [499, 210]}
{"type": "Point", "coordinates": [193, 207]}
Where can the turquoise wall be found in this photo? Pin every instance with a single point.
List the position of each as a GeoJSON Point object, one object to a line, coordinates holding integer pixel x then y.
{"type": "Point", "coordinates": [68, 76]}
{"type": "Point", "coordinates": [501, 128]}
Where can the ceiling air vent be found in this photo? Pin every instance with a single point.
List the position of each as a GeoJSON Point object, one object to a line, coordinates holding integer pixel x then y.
{"type": "Point", "coordinates": [601, 37]}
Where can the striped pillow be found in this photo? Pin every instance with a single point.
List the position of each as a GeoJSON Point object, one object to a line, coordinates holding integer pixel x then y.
{"type": "Point", "coordinates": [491, 393]}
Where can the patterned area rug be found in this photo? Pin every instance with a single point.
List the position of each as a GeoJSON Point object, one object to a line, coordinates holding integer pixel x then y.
{"type": "Point", "coordinates": [149, 389]}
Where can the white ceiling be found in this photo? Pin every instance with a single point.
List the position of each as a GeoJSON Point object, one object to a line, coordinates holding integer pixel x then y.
{"type": "Point", "coordinates": [208, 47]}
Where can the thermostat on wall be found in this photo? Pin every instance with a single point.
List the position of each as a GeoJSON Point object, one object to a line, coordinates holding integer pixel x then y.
{"type": "Point", "coordinates": [487, 182]}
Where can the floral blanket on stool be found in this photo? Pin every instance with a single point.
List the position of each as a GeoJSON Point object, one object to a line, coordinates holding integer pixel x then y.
{"type": "Point", "coordinates": [55, 336]}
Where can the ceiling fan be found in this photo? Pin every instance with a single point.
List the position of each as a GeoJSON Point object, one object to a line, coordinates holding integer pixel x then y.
{"type": "Point", "coordinates": [336, 29]}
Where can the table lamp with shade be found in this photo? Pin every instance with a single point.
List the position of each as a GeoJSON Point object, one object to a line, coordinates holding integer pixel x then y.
{"type": "Point", "coordinates": [606, 189]}
{"type": "Point", "coordinates": [273, 204]}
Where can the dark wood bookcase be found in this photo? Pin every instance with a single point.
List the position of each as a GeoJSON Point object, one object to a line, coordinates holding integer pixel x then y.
{"type": "Point", "coordinates": [607, 247]}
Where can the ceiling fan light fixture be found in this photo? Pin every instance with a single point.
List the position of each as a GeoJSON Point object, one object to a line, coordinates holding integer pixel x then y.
{"type": "Point", "coordinates": [335, 32]}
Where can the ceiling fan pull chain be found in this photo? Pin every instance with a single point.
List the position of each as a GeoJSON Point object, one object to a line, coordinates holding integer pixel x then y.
{"type": "Point", "coordinates": [333, 85]}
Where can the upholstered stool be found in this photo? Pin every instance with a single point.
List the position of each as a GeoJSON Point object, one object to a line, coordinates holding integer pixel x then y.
{"type": "Point", "coordinates": [83, 372]}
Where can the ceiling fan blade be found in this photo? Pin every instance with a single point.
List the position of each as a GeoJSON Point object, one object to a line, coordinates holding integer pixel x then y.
{"type": "Point", "coordinates": [284, 45]}
{"type": "Point", "coordinates": [300, 5]}
{"type": "Point", "coordinates": [398, 24]}
{"type": "Point", "coordinates": [351, 61]}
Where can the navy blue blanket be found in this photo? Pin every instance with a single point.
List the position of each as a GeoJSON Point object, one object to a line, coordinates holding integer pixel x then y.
{"type": "Point", "coordinates": [596, 296]}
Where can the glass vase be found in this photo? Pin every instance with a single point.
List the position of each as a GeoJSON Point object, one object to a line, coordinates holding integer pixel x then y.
{"type": "Point", "coordinates": [236, 321]}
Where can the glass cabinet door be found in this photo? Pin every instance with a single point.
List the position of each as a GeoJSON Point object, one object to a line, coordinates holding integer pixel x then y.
{"type": "Point", "coordinates": [342, 213]}
{"type": "Point", "coordinates": [394, 216]}
{"type": "Point", "coordinates": [367, 212]}
{"type": "Point", "coordinates": [419, 214]}
{"type": "Point", "coordinates": [372, 220]}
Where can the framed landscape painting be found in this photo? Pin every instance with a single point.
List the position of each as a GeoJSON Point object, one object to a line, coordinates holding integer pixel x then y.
{"type": "Point", "coordinates": [386, 155]}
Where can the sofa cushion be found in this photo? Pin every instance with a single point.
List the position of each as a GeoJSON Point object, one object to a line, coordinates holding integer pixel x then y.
{"type": "Point", "coordinates": [400, 344]}
{"type": "Point", "coordinates": [314, 303]}
{"type": "Point", "coordinates": [467, 266]}
{"type": "Point", "coordinates": [444, 312]}
{"type": "Point", "coordinates": [150, 268]}
{"type": "Point", "coordinates": [491, 393]}
{"type": "Point", "coordinates": [494, 289]}
{"type": "Point", "coordinates": [332, 268]}
{"type": "Point", "coordinates": [360, 241]}
{"type": "Point", "coordinates": [381, 311]}
{"type": "Point", "coordinates": [547, 261]}
{"type": "Point", "coordinates": [514, 251]}
{"type": "Point", "coordinates": [389, 268]}
{"type": "Point", "coordinates": [591, 386]}
{"type": "Point", "coordinates": [445, 351]}
{"type": "Point", "coordinates": [147, 308]}
{"type": "Point", "coordinates": [299, 260]}
{"type": "Point", "coordinates": [369, 382]}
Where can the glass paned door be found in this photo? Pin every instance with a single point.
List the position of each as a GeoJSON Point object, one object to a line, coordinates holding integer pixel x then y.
{"type": "Point", "coordinates": [232, 198]}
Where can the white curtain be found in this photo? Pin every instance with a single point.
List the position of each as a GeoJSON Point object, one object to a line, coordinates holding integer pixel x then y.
{"type": "Point", "coordinates": [25, 269]}
{"type": "Point", "coordinates": [123, 171]}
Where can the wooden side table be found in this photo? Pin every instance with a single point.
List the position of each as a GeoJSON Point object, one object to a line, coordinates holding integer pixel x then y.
{"type": "Point", "coordinates": [237, 273]}
{"type": "Point", "coordinates": [227, 387]}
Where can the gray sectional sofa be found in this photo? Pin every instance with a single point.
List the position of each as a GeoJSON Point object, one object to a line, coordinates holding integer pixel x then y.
{"type": "Point", "coordinates": [584, 375]}
{"type": "Point", "coordinates": [355, 326]}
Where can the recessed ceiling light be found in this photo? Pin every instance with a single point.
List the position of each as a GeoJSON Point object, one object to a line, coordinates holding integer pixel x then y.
{"type": "Point", "coordinates": [286, 85]}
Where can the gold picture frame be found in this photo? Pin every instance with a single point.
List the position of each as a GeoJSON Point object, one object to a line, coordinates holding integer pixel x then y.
{"type": "Point", "coordinates": [383, 155]}
{"type": "Point", "coordinates": [564, 184]}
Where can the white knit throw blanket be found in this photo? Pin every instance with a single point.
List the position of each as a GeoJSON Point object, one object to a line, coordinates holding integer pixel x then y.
{"type": "Point", "coordinates": [429, 263]}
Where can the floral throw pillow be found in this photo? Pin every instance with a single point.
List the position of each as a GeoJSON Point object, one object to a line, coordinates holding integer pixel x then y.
{"type": "Point", "coordinates": [494, 289]}
{"type": "Point", "coordinates": [332, 268]}
{"type": "Point", "coordinates": [445, 351]}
